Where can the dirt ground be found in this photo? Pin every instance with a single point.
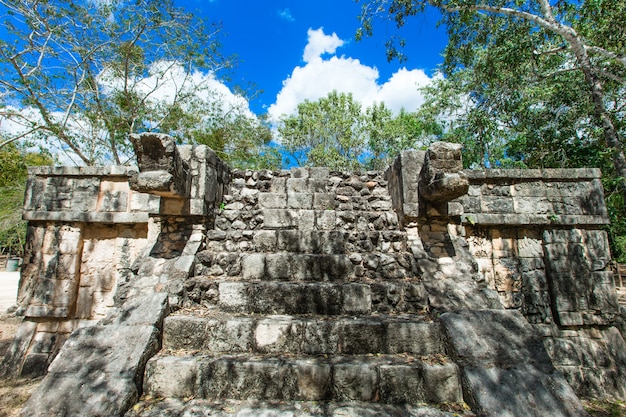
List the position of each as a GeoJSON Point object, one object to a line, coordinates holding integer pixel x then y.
{"type": "Point", "coordinates": [14, 393]}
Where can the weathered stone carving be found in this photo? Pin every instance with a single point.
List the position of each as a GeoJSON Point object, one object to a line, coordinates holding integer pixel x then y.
{"type": "Point", "coordinates": [442, 178]}
{"type": "Point", "coordinates": [161, 169]}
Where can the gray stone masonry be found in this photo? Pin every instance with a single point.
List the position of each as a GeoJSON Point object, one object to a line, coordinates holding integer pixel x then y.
{"type": "Point", "coordinates": [104, 265]}
{"type": "Point", "coordinates": [506, 369]}
{"type": "Point", "coordinates": [312, 292]}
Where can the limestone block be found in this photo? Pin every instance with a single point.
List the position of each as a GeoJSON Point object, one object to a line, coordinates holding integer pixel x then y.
{"type": "Point", "coordinates": [361, 336]}
{"type": "Point", "coordinates": [480, 246]}
{"type": "Point", "coordinates": [278, 219]}
{"type": "Point", "coordinates": [144, 202]}
{"type": "Point", "coordinates": [441, 383]}
{"type": "Point", "coordinates": [35, 192]}
{"type": "Point", "coordinates": [273, 334]}
{"type": "Point", "coordinates": [43, 342]}
{"type": "Point", "coordinates": [503, 244]}
{"type": "Point", "coordinates": [312, 380]}
{"type": "Point", "coordinates": [171, 376]}
{"type": "Point", "coordinates": [550, 394]}
{"type": "Point", "coordinates": [323, 201]}
{"type": "Point", "coordinates": [300, 200]}
{"type": "Point", "coordinates": [529, 248]}
{"type": "Point", "coordinates": [529, 189]}
{"type": "Point", "coordinates": [278, 185]}
{"type": "Point", "coordinates": [231, 378]}
{"type": "Point", "coordinates": [12, 361]}
{"type": "Point", "coordinates": [297, 185]}
{"type": "Point", "coordinates": [273, 200]}
{"type": "Point", "coordinates": [355, 382]}
{"type": "Point", "coordinates": [162, 171]}
{"type": "Point", "coordinates": [496, 205]}
{"type": "Point", "coordinates": [356, 299]}
{"type": "Point", "coordinates": [506, 274]}
{"type": "Point", "coordinates": [265, 240]}
{"type": "Point", "coordinates": [401, 384]}
{"type": "Point", "coordinates": [302, 173]}
{"type": "Point", "coordinates": [84, 302]}
{"type": "Point", "coordinates": [532, 205]}
{"type": "Point", "coordinates": [279, 266]}
{"type": "Point", "coordinates": [506, 367]}
{"type": "Point", "coordinates": [232, 294]}
{"type": "Point", "coordinates": [317, 185]}
{"type": "Point", "coordinates": [414, 337]}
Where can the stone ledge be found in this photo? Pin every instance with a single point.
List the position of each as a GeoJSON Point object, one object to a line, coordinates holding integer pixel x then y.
{"type": "Point", "coordinates": [86, 217]}
{"type": "Point", "coordinates": [521, 175]}
{"type": "Point", "coordinates": [532, 220]}
{"type": "Point", "coordinates": [68, 171]}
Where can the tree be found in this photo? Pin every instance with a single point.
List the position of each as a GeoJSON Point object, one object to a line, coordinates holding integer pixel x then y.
{"type": "Point", "coordinates": [83, 75]}
{"type": "Point", "coordinates": [579, 42]}
{"type": "Point", "coordinates": [336, 132]}
{"type": "Point", "coordinates": [327, 132]}
{"type": "Point", "coordinates": [387, 135]}
{"type": "Point", "coordinates": [13, 174]}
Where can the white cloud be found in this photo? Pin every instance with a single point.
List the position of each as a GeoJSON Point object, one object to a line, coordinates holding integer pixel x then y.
{"type": "Point", "coordinates": [320, 43]}
{"type": "Point", "coordinates": [319, 76]}
{"type": "Point", "coordinates": [164, 82]}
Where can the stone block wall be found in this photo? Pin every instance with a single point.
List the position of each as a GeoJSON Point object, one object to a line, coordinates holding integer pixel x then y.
{"type": "Point", "coordinates": [536, 238]}
{"type": "Point", "coordinates": [85, 229]}
{"type": "Point", "coordinates": [96, 239]}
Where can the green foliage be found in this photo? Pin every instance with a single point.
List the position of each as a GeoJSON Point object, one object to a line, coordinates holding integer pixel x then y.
{"type": "Point", "coordinates": [80, 76]}
{"type": "Point", "coordinates": [529, 84]}
{"type": "Point", "coordinates": [13, 173]}
{"type": "Point", "coordinates": [336, 132]}
{"type": "Point", "coordinates": [327, 132]}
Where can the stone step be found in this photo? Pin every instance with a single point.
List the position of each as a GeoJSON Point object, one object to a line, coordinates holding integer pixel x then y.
{"type": "Point", "coordinates": [310, 241]}
{"type": "Point", "coordinates": [270, 297]}
{"type": "Point", "coordinates": [236, 216]}
{"type": "Point", "coordinates": [232, 408]}
{"type": "Point", "coordinates": [322, 268]}
{"type": "Point", "coordinates": [377, 379]}
{"type": "Point", "coordinates": [222, 333]}
{"type": "Point", "coordinates": [287, 266]}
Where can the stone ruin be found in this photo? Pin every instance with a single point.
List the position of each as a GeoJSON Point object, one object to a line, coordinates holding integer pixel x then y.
{"type": "Point", "coordinates": [311, 292]}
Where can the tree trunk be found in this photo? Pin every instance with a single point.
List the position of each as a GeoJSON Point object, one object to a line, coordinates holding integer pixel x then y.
{"type": "Point", "coordinates": [611, 137]}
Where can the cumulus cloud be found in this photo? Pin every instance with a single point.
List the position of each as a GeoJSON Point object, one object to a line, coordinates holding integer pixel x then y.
{"type": "Point", "coordinates": [319, 43]}
{"type": "Point", "coordinates": [165, 81]}
{"type": "Point", "coordinates": [320, 76]}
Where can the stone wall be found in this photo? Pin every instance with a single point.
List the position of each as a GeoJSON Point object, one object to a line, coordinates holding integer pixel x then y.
{"type": "Point", "coordinates": [535, 238]}
{"type": "Point", "coordinates": [506, 258]}
{"type": "Point", "coordinates": [95, 238]}
{"type": "Point", "coordinates": [85, 229]}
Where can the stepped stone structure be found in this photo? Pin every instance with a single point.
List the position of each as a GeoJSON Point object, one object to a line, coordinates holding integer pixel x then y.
{"type": "Point", "coordinates": [311, 292]}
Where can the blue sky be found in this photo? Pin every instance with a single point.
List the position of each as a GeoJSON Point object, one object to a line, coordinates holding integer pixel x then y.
{"type": "Point", "coordinates": [270, 37]}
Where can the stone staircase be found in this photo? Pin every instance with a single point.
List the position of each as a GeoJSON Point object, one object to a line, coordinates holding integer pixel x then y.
{"type": "Point", "coordinates": [306, 301]}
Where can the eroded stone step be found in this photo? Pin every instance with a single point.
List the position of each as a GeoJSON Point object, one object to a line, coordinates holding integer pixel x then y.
{"type": "Point", "coordinates": [238, 217]}
{"type": "Point", "coordinates": [287, 266]}
{"type": "Point", "coordinates": [378, 379]}
{"type": "Point", "coordinates": [310, 241]}
{"type": "Point", "coordinates": [411, 334]}
{"type": "Point", "coordinates": [176, 407]}
{"type": "Point", "coordinates": [269, 297]}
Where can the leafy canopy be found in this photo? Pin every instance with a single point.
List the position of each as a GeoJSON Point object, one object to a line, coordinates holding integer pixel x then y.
{"type": "Point", "coordinates": [80, 76]}
{"type": "Point", "coordinates": [336, 132]}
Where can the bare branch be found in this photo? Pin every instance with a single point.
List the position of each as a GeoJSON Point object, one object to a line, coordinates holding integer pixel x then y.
{"type": "Point", "coordinates": [18, 137]}
{"type": "Point", "coordinates": [607, 54]}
